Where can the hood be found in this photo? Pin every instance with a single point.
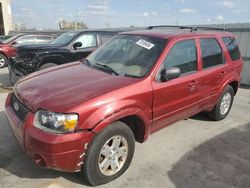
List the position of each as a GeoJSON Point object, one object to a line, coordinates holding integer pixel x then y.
{"type": "Point", "coordinates": [62, 88]}
{"type": "Point", "coordinates": [35, 47]}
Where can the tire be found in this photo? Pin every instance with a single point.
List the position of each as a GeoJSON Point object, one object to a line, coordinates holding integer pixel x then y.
{"type": "Point", "coordinates": [93, 170]}
{"type": "Point", "coordinates": [3, 61]}
{"type": "Point", "coordinates": [223, 106]}
{"type": "Point", "coordinates": [47, 65]}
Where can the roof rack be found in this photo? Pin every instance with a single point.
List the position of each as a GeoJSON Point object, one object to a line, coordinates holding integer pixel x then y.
{"type": "Point", "coordinates": [192, 28]}
{"type": "Point", "coordinates": [209, 28]}
{"type": "Point", "coordinates": [169, 26]}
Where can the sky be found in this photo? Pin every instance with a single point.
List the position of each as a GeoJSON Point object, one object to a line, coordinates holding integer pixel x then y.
{"type": "Point", "coordinates": [43, 14]}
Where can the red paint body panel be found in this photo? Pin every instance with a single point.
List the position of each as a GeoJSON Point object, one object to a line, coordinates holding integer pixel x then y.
{"type": "Point", "coordinates": [100, 98]}
{"type": "Point", "coordinates": [8, 50]}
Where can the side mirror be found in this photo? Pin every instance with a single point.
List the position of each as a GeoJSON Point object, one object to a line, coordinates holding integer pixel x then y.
{"type": "Point", "coordinates": [77, 45]}
{"type": "Point", "coordinates": [170, 73]}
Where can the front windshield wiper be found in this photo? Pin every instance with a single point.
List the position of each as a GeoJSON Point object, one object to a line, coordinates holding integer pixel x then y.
{"type": "Point", "coordinates": [107, 68]}
{"type": "Point", "coordinates": [131, 76]}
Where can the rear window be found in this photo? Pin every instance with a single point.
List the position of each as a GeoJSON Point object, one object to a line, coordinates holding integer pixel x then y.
{"type": "Point", "coordinates": [232, 47]}
{"type": "Point", "coordinates": [211, 53]}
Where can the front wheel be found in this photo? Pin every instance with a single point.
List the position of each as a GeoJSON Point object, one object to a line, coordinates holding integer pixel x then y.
{"type": "Point", "coordinates": [3, 61]}
{"type": "Point", "coordinates": [224, 104]}
{"type": "Point", "coordinates": [109, 154]}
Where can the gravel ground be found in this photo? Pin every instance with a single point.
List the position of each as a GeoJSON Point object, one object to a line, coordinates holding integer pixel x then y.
{"type": "Point", "coordinates": [195, 152]}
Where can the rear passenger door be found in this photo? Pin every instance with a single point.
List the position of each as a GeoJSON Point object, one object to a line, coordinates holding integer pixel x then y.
{"type": "Point", "coordinates": [178, 98]}
{"type": "Point", "coordinates": [214, 69]}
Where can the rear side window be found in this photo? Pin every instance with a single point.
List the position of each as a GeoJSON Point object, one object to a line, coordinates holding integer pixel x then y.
{"type": "Point", "coordinates": [211, 53]}
{"type": "Point", "coordinates": [232, 47]}
{"type": "Point", "coordinates": [183, 55]}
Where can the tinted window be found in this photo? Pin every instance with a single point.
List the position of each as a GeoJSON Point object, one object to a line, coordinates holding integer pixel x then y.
{"type": "Point", "coordinates": [183, 55]}
{"type": "Point", "coordinates": [87, 40]}
{"type": "Point", "coordinates": [211, 53]}
{"type": "Point", "coordinates": [232, 47]}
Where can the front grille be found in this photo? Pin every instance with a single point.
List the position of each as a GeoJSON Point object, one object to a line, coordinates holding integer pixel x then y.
{"type": "Point", "coordinates": [20, 110]}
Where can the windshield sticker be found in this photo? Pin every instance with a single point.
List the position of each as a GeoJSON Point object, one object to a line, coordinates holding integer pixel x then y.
{"type": "Point", "coordinates": [145, 44]}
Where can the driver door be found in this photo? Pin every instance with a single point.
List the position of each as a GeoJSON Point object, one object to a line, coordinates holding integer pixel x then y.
{"type": "Point", "coordinates": [177, 98]}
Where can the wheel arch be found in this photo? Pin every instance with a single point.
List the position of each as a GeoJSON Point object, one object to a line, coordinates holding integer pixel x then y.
{"type": "Point", "coordinates": [136, 121]}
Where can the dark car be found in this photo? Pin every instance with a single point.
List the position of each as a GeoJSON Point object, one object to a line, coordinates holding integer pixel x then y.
{"type": "Point", "coordinates": [69, 47]}
{"type": "Point", "coordinates": [7, 47]}
{"type": "Point", "coordinates": [85, 116]}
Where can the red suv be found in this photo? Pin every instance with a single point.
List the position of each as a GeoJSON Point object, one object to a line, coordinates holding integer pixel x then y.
{"type": "Point", "coordinates": [85, 116]}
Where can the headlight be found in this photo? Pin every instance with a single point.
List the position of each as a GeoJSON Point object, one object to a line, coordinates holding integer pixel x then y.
{"type": "Point", "coordinates": [55, 122]}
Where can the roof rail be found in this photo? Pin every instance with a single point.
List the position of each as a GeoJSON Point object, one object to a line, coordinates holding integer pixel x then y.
{"type": "Point", "coordinates": [192, 28]}
{"type": "Point", "coordinates": [208, 28]}
{"type": "Point", "coordinates": [169, 26]}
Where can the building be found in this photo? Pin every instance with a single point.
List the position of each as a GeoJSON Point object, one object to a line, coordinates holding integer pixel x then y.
{"type": "Point", "coordinates": [5, 17]}
{"type": "Point", "coordinates": [71, 25]}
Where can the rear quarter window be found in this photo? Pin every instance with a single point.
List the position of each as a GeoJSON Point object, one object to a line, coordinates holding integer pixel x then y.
{"type": "Point", "coordinates": [232, 47]}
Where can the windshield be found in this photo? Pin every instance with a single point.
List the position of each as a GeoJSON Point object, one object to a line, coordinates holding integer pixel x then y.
{"type": "Point", "coordinates": [65, 38]}
{"type": "Point", "coordinates": [128, 55]}
{"type": "Point", "coordinates": [11, 39]}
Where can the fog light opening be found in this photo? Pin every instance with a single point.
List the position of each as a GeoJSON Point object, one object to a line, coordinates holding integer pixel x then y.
{"type": "Point", "coordinates": [39, 160]}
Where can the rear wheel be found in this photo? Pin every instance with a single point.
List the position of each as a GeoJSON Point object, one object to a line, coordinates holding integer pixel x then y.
{"type": "Point", "coordinates": [109, 154]}
{"type": "Point", "coordinates": [3, 61]}
{"type": "Point", "coordinates": [47, 65]}
{"type": "Point", "coordinates": [224, 104]}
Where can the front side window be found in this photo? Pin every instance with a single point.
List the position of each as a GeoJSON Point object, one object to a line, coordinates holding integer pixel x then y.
{"type": "Point", "coordinates": [128, 55]}
{"type": "Point", "coordinates": [211, 53]}
{"type": "Point", "coordinates": [232, 47]}
{"type": "Point", "coordinates": [183, 55]}
{"type": "Point", "coordinates": [87, 41]}
{"type": "Point", "coordinates": [25, 39]}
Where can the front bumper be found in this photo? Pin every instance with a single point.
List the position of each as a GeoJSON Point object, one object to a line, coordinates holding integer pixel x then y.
{"type": "Point", "coordinates": [63, 152]}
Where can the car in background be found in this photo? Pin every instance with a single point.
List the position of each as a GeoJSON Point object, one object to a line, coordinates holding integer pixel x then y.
{"type": "Point", "coordinates": [4, 37]}
{"type": "Point", "coordinates": [69, 47]}
{"type": "Point", "coordinates": [7, 47]}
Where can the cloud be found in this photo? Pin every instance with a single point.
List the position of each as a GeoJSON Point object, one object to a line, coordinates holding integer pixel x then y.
{"type": "Point", "coordinates": [147, 14]}
{"type": "Point", "coordinates": [187, 11]}
{"type": "Point", "coordinates": [179, 1]}
{"type": "Point", "coordinates": [226, 4]}
{"type": "Point", "coordinates": [100, 8]}
{"type": "Point", "coordinates": [219, 18]}
{"type": "Point", "coordinates": [26, 12]}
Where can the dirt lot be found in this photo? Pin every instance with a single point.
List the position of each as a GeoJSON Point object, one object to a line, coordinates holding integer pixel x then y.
{"type": "Point", "coordinates": [192, 153]}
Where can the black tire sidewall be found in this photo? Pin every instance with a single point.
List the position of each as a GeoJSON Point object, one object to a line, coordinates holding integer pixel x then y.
{"type": "Point", "coordinates": [47, 65]}
{"type": "Point", "coordinates": [220, 116]}
{"type": "Point", "coordinates": [90, 168]}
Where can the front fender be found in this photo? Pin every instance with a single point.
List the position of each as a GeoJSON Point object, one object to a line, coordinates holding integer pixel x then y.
{"type": "Point", "coordinates": [104, 116]}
